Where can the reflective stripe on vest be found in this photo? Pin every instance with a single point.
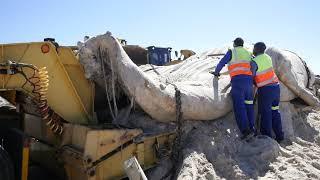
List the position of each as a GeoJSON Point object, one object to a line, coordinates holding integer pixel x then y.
{"type": "Point", "coordinates": [240, 62]}
{"type": "Point", "coordinates": [265, 74]}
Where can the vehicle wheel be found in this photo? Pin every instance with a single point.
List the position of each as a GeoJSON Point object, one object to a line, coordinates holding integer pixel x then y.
{"type": "Point", "coordinates": [36, 172]}
{"type": "Point", "coordinates": [6, 165]}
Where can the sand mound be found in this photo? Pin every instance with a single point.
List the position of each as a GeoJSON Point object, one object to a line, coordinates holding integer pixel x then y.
{"type": "Point", "coordinates": [213, 150]}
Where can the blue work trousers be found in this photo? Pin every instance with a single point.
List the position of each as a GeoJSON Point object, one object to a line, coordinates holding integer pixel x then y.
{"type": "Point", "coordinates": [268, 101]}
{"type": "Point", "coordinates": [242, 97]}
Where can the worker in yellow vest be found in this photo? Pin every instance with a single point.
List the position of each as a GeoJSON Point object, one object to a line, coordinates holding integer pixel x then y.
{"type": "Point", "coordinates": [239, 65]}
{"type": "Point", "coordinates": [268, 92]}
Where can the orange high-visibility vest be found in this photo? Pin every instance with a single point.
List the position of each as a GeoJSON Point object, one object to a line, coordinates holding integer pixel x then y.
{"type": "Point", "coordinates": [240, 62]}
{"type": "Point", "coordinates": [265, 73]}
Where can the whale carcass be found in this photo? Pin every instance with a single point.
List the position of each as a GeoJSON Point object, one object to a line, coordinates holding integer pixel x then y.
{"type": "Point", "coordinates": [203, 97]}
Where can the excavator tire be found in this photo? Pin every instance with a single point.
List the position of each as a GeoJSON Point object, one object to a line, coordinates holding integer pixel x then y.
{"type": "Point", "coordinates": [6, 165]}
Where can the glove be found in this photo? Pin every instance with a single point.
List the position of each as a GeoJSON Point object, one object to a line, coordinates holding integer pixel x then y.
{"type": "Point", "coordinates": [215, 74]}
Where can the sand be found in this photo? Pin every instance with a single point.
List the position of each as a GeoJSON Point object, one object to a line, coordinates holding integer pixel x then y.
{"type": "Point", "coordinates": [213, 150]}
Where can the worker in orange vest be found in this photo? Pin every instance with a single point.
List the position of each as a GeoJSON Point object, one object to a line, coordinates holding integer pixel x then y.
{"type": "Point", "coordinates": [268, 92]}
{"type": "Point", "coordinates": [239, 65]}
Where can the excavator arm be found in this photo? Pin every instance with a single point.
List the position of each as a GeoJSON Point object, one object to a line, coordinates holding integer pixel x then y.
{"type": "Point", "coordinates": [53, 77]}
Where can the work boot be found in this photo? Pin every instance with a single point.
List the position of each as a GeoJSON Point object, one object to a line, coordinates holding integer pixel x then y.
{"type": "Point", "coordinates": [284, 142]}
{"type": "Point", "coordinates": [247, 135]}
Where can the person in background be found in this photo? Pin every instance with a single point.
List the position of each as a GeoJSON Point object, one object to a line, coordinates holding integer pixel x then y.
{"type": "Point", "coordinates": [268, 92]}
{"type": "Point", "coordinates": [239, 65]}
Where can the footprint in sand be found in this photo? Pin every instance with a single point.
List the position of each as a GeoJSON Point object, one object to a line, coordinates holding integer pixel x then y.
{"type": "Point", "coordinates": [282, 168]}
{"type": "Point", "coordinates": [316, 165]}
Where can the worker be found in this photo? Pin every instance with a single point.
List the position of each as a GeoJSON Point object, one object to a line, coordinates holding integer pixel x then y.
{"type": "Point", "coordinates": [268, 92]}
{"type": "Point", "coordinates": [239, 59]}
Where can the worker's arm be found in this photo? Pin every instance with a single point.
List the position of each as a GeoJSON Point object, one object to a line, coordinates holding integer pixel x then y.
{"type": "Point", "coordinates": [226, 58]}
{"type": "Point", "coordinates": [254, 68]}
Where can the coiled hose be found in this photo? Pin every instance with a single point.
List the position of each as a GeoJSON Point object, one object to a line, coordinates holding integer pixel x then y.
{"type": "Point", "coordinates": [40, 84]}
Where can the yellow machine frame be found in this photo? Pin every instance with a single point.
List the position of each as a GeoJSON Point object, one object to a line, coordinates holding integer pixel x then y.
{"type": "Point", "coordinates": [70, 94]}
{"type": "Point", "coordinates": [87, 150]}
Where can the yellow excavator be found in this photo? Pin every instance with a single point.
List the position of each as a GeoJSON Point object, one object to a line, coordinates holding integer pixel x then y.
{"type": "Point", "coordinates": [48, 119]}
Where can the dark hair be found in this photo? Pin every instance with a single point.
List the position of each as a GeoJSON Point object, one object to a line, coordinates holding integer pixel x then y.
{"type": "Point", "coordinates": [238, 42]}
{"type": "Point", "coordinates": [259, 48]}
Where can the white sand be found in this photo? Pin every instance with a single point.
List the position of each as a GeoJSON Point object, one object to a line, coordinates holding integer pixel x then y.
{"type": "Point", "coordinates": [213, 150]}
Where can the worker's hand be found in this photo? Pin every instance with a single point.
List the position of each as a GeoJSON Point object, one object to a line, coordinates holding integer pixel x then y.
{"type": "Point", "coordinates": [215, 74]}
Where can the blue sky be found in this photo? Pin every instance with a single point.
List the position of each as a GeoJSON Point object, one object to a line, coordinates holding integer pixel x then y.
{"type": "Point", "coordinates": [197, 25]}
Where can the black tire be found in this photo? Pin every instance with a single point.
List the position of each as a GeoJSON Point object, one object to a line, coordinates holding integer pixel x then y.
{"type": "Point", "coordinates": [6, 165]}
{"type": "Point", "coordinates": [37, 172]}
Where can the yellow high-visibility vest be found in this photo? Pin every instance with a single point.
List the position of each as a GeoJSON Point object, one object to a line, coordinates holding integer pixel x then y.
{"type": "Point", "coordinates": [265, 73]}
{"type": "Point", "coordinates": [240, 62]}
